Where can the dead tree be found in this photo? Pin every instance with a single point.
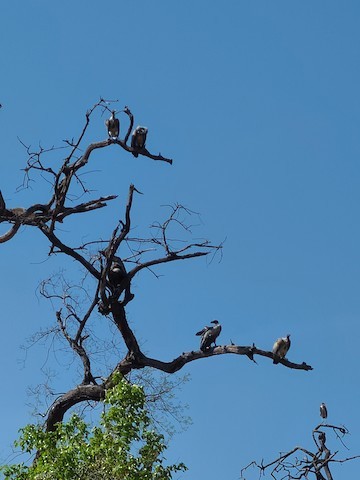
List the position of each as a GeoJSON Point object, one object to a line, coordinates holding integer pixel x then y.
{"type": "Point", "coordinates": [108, 297]}
{"type": "Point", "coordinates": [301, 462]}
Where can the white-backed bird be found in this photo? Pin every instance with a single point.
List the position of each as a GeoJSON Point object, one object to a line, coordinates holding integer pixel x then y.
{"type": "Point", "coordinates": [113, 126]}
{"type": "Point", "coordinates": [281, 347]}
{"type": "Point", "coordinates": [138, 139]}
{"type": "Point", "coordinates": [209, 335]}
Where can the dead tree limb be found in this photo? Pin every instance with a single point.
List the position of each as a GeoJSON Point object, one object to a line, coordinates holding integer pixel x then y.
{"type": "Point", "coordinates": [169, 240]}
{"type": "Point", "coordinates": [313, 464]}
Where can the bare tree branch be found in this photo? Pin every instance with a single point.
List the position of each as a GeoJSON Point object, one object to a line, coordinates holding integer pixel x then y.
{"type": "Point", "coordinates": [56, 242]}
{"type": "Point", "coordinates": [169, 240]}
{"type": "Point", "coordinates": [131, 124]}
{"type": "Point", "coordinates": [81, 393]}
{"type": "Point", "coordinates": [316, 463]}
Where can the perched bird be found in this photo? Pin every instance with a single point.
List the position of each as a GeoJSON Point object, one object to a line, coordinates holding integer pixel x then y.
{"type": "Point", "coordinates": [323, 411]}
{"type": "Point", "coordinates": [209, 335]}
{"type": "Point", "coordinates": [138, 139]}
{"type": "Point", "coordinates": [113, 126]}
{"type": "Point", "coordinates": [280, 348]}
{"type": "Point", "coordinates": [117, 272]}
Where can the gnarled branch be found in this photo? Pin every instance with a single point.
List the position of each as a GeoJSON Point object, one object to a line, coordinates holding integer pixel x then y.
{"type": "Point", "coordinates": [315, 464]}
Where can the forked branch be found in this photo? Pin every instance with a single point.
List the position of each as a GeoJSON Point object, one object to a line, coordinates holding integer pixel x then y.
{"type": "Point", "coordinates": [314, 464]}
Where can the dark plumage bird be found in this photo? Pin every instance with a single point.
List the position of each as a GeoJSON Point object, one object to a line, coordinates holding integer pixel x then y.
{"type": "Point", "coordinates": [117, 272]}
{"type": "Point", "coordinates": [323, 411]}
{"type": "Point", "coordinates": [113, 126]}
{"type": "Point", "coordinates": [209, 335]}
{"type": "Point", "coordinates": [138, 139]}
{"type": "Point", "coordinates": [280, 348]}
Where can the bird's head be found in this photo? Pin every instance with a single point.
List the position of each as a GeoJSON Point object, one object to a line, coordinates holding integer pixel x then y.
{"type": "Point", "coordinates": [141, 130]}
{"type": "Point", "coordinates": [215, 322]}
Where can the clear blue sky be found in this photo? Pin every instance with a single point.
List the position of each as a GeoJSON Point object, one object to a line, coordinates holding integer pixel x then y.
{"type": "Point", "coordinates": [259, 105]}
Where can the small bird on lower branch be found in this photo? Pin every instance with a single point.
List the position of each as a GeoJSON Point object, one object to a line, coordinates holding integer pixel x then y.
{"type": "Point", "coordinates": [323, 411]}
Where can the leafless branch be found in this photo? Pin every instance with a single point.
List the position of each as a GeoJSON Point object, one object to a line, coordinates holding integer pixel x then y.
{"type": "Point", "coordinates": [315, 464]}
{"type": "Point", "coordinates": [170, 240]}
{"type": "Point", "coordinates": [131, 124]}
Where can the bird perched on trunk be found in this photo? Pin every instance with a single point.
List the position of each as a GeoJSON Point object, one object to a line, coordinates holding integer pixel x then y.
{"type": "Point", "coordinates": [116, 275]}
{"type": "Point", "coordinates": [117, 272]}
{"type": "Point", "coordinates": [138, 139]}
{"type": "Point", "coordinates": [323, 411]}
{"type": "Point", "coordinates": [209, 335]}
{"type": "Point", "coordinates": [113, 126]}
{"type": "Point", "coordinates": [280, 348]}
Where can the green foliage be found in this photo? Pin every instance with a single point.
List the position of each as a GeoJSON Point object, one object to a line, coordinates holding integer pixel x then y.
{"type": "Point", "coordinates": [123, 445]}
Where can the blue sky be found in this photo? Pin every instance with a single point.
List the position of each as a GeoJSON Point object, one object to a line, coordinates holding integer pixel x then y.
{"type": "Point", "coordinates": [258, 104]}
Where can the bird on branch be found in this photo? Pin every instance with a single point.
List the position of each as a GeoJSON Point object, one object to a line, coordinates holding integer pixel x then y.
{"type": "Point", "coordinates": [117, 272]}
{"type": "Point", "coordinates": [209, 335]}
{"type": "Point", "coordinates": [113, 126]}
{"type": "Point", "coordinates": [323, 411]}
{"type": "Point", "coordinates": [138, 139]}
{"type": "Point", "coordinates": [280, 348]}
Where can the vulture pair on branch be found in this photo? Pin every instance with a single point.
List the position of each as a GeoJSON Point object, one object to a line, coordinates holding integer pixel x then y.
{"type": "Point", "coordinates": [138, 138]}
{"type": "Point", "coordinates": [210, 334]}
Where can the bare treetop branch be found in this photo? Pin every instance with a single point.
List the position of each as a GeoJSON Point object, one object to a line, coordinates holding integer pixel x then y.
{"type": "Point", "coordinates": [315, 464]}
